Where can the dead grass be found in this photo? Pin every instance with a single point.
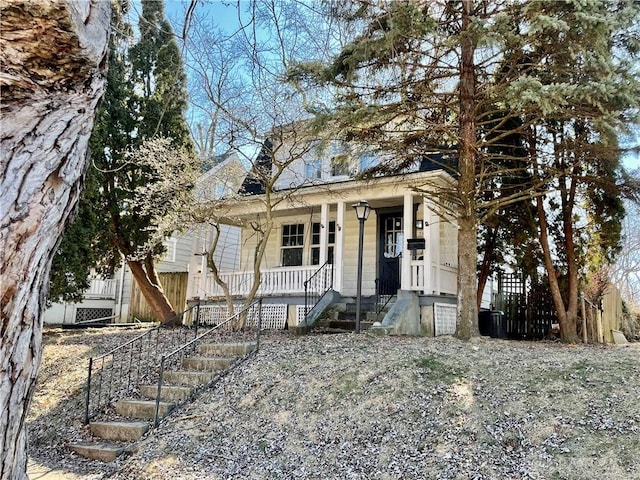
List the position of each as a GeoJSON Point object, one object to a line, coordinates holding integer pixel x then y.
{"type": "Point", "coordinates": [365, 407]}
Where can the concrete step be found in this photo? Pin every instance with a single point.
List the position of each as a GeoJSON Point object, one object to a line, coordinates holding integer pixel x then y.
{"type": "Point", "coordinates": [347, 325]}
{"type": "Point", "coordinates": [144, 409]}
{"type": "Point", "coordinates": [119, 431]}
{"type": "Point", "coordinates": [193, 379]}
{"type": "Point", "coordinates": [226, 349]}
{"type": "Point", "coordinates": [105, 452]}
{"type": "Point", "coordinates": [206, 363]}
{"type": "Point", "coordinates": [169, 393]}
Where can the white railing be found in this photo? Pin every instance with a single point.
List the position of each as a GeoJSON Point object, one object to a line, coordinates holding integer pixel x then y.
{"type": "Point", "coordinates": [274, 281]}
{"type": "Point", "coordinates": [448, 278]}
{"type": "Point", "coordinates": [102, 288]}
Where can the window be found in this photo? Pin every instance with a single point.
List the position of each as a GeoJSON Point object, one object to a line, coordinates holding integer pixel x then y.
{"type": "Point", "coordinates": [339, 166]}
{"type": "Point", "coordinates": [339, 160]}
{"type": "Point", "coordinates": [315, 242]}
{"type": "Point", "coordinates": [292, 244]}
{"type": "Point", "coordinates": [313, 168]}
{"type": "Point", "coordinates": [367, 160]}
{"type": "Point", "coordinates": [170, 247]}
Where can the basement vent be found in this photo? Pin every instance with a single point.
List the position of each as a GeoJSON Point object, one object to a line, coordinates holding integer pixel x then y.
{"type": "Point", "coordinates": [444, 315]}
{"type": "Point", "coordinates": [89, 314]}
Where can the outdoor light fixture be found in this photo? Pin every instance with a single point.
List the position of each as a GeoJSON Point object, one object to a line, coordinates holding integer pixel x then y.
{"type": "Point", "coordinates": [362, 213]}
{"type": "Point", "coordinates": [362, 210]}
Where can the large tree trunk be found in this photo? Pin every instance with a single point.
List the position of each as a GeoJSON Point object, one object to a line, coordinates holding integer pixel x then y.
{"type": "Point", "coordinates": [566, 318]}
{"type": "Point", "coordinates": [52, 56]}
{"type": "Point", "coordinates": [467, 321]}
{"type": "Point", "coordinates": [151, 288]}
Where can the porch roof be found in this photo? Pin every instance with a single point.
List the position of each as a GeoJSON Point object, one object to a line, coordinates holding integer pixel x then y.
{"type": "Point", "coordinates": [376, 191]}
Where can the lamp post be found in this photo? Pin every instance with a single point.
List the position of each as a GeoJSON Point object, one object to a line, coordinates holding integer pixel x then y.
{"type": "Point", "coordinates": [362, 212]}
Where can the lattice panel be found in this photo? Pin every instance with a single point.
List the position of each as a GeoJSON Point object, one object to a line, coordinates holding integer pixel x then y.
{"type": "Point", "coordinates": [444, 315]}
{"type": "Point", "coordinates": [274, 316]}
{"type": "Point", "coordinates": [88, 314]}
{"type": "Point", "coordinates": [300, 309]}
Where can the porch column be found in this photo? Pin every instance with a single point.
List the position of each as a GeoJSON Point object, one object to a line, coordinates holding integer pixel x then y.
{"type": "Point", "coordinates": [428, 232]}
{"type": "Point", "coordinates": [338, 254]}
{"type": "Point", "coordinates": [436, 221]}
{"type": "Point", "coordinates": [405, 264]}
{"type": "Point", "coordinates": [204, 270]}
{"type": "Point", "coordinates": [324, 232]}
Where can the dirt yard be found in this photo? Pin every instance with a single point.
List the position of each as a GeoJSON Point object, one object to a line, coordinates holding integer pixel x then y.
{"type": "Point", "coordinates": [348, 406]}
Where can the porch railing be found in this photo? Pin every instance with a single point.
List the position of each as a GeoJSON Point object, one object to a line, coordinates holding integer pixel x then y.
{"type": "Point", "coordinates": [250, 319]}
{"type": "Point", "coordinates": [273, 281]}
{"type": "Point", "coordinates": [120, 371]}
{"type": "Point", "coordinates": [316, 286]}
{"type": "Point", "coordinates": [101, 288]}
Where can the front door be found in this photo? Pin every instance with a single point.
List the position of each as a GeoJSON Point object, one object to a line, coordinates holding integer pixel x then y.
{"type": "Point", "coordinates": [391, 244]}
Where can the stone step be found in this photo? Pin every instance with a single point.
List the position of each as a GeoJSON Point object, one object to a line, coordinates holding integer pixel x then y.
{"type": "Point", "coordinates": [226, 349]}
{"type": "Point", "coordinates": [206, 363]}
{"type": "Point", "coordinates": [169, 393]}
{"type": "Point", "coordinates": [193, 379]}
{"type": "Point", "coordinates": [119, 431]}
{"type": "Point", "coordinates": [105, 452]}
{"type": "Point", "coordinates": [144, 409]}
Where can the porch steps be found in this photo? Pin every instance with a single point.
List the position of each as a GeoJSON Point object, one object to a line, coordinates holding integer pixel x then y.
{"type": "Point", "coordinates": [343, 318]}
{"type": "Point", "coordinates": [133, 417]}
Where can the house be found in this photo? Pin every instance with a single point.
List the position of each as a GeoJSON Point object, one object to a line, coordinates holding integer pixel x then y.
{"type": "Point", "coordinates": [409, 242]}
{"type": "Point", "coordinates": [119, 297]}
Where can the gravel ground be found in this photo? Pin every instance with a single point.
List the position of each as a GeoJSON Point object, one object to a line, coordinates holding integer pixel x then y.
{"type": "Point", "coordinates": [347, 406]}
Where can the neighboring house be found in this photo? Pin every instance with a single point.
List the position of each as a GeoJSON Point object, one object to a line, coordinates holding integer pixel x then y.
{"type": "Point", "coordinates": [119, 297]}
{"type": "Point", "coordinates": [409, 244]}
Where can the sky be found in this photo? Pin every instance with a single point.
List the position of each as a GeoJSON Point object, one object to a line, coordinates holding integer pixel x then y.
{"type": "Point", "coordinates": [224, 13]}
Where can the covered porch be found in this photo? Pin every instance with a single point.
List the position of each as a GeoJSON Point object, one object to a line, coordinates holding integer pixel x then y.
{"type": "Point", "coordinates": [407, 245]}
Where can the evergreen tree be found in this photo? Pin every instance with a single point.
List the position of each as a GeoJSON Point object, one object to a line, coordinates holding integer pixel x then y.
{"type": "Point", "coordinates": [144, 104]}
{"type": "Point", "coordinates": [473, 75]}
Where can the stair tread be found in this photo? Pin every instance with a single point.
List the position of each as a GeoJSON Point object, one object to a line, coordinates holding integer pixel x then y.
{"type": "Point", "coordinates": [144, 402]}
{"type": "Point", "coordinates": [103, 451]}
{"type": "Point", "coordinates": [122, 423]}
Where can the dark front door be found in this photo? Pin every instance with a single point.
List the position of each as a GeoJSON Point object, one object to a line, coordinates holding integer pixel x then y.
{"type": "Point", "coordinates": [391, 244]}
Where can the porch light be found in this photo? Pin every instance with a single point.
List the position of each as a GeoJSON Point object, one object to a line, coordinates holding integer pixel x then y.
{"type": "Point", "coordinates": [362, 212]}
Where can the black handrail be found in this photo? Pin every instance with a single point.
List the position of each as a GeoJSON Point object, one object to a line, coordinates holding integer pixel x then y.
{"type": "Point", "coordinates": [317, 286]}
{"type": "Point", "coordinates": [113, 374]}
{"type": "Point", "coordinates": [179, 353]}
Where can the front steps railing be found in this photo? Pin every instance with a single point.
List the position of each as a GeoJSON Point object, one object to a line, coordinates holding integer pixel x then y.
{"type": "Point", "coordinates": [176, 376]}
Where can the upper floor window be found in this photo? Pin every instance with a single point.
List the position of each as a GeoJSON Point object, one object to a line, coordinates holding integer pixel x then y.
{"type": "Point", "coordinates": [292, 244]}
{"type": "Point", "coordinates": [367, 160]}
{"type": "Point", "coordinates": [313, 168]}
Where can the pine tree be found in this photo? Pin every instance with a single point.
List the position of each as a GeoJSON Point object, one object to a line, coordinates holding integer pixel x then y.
{"type": "Point", "coordinates": [470, 75]}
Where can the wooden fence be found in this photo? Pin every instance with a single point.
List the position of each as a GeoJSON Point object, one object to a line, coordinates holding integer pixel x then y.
{"type": "Point", "coordinates": [175, 288]}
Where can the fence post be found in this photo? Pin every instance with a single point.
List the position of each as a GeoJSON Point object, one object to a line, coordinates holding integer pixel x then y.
{"type": "Point", "coordinates": [160, 378]}
{"type": "Point", "coordinates": [197, 320]}
{"type": "Point", "coordinates": [86, 406]}
{"type": "Point", "coordinates": [259, 324]}
{"type": "Point", "coordinates": [584, 319]}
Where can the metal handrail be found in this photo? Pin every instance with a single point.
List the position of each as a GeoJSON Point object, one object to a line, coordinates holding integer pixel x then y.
{"type": "Point", "coordinates": [324, 284]}
{"type": "Point", "coordinates": [115, 376]}
{"type": "Point", "coordinates": [191, 347]}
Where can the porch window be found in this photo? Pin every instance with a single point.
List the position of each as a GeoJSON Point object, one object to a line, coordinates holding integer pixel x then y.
{"type": "Point", "coordinates": [292, 244]}
{"type": "Point", "coordinates": [315, 242]}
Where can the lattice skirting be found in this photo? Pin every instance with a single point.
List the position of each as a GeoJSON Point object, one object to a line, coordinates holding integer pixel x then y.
{"type": "Point", "coordinates": [274, 316]}
{"type": "Point", "coordinates": [444, 315]}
